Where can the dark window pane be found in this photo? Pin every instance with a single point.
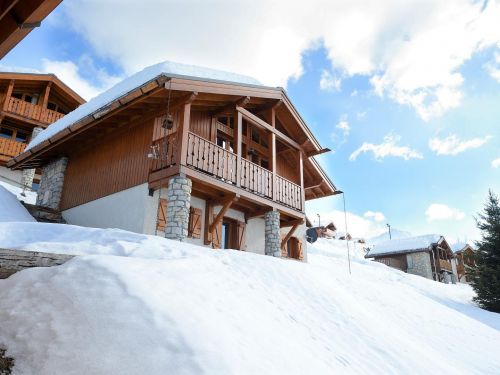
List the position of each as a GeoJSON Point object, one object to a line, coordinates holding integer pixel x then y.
{"type": "Point", "coordinates": [17, 95]}
{"type": "Point", "coordinates": [51, 106]}
{"type": "Point", "coordinates": [21, 137]}
{"type": "Point", "coordinates": [6, 133]}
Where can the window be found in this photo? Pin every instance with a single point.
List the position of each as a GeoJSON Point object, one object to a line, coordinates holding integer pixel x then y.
{"type": "Point", "coordinates": [21, 136]}
{"type": "Point", "coordinates": [6, 133]}
{"type": "Point", "coordinates": [51, 106]}
{"type": "Point", "coordinates": [17, 95]}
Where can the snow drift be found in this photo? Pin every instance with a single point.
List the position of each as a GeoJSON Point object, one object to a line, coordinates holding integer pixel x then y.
{"type": "Point", "coordinates": [11, 209]}
{"type": "Point", "coordinates": [172, 308]}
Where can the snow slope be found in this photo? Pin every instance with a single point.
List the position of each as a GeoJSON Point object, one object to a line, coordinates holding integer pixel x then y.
{"type": "Point", "coordinates": [172, 308]}
{"type": "Point", "coordinates": [10, 207]}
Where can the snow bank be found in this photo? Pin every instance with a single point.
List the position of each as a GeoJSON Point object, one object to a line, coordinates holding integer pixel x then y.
{"type": "Point", "coordinates": [28, 197]}
{"type": "Point", "coordinates": [173, 308]}
{"type": "Point", "coordinates": [167, 68]}
{"type": "Point", "coordinates": [404, 244]}
{"type": "Point", "coordinates": [10, 207]}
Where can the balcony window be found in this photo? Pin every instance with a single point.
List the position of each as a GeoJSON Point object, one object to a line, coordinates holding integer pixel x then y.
{"type": "Point", "coordinates": [21, 136]}
{"type": "Point", "coordinates": [51, 106]}
{"type": "Point", "coordinates": [6, 133]}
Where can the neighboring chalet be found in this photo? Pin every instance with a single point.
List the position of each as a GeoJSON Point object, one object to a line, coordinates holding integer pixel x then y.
{"type": "Point", "coordinates": [326, 231]}
{"type": "Point", "coordinates": [429, 256]}
{"type": "Point", "coordinates": [28, 104]}
{"type": "Point", "coordinates": [464, 260]}
{"type": "Point", "coordinates": [19, 17]}
{"type": "Point", "coordinates": [194, 154]}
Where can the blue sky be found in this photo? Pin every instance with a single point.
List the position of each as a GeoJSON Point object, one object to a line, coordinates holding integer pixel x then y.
{"type": "Point", "coordinates": [409, 108]}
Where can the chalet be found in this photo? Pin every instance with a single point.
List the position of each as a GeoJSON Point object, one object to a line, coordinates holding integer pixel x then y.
{"type": "Point", "coordinates": [429, 256]}
{"type": "Point", "coordinates": [18, 18]}
{"type": "Point", "coordinates": [464, 260]}
{"type": "Point", "coordinates": [28, 104]}
{"type": "Point", "coordinates": [326, 231]}
{"type": "Point", "coordinates": [193, 154]}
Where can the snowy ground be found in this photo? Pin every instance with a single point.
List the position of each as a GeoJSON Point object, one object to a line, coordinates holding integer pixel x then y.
{"type": "Point", "coordinates": [154, 306]}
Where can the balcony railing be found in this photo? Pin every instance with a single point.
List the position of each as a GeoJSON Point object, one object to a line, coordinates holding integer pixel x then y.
{"type": "Point", "coordinates": [32, 111]}
{"type": "Point", "coordinates": [222, 164]}
{"type": "Point", "coordinates": [163, 153]}
{"type": "Point", "coordinates": [445, 265]}
{"type": "Point", "coordinates": [10, 148]}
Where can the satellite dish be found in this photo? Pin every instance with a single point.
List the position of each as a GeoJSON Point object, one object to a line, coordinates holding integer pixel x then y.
{"type": "Point", "coordinates": [311, 235]}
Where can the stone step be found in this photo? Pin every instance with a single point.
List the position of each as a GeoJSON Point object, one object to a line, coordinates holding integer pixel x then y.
{"type": "Point", "coordinates": [45, 214]}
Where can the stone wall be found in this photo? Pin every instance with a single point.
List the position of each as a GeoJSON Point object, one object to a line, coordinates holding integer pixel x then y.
{"type": "Point", "coordinates": [419, 264]}
{"type": "Point", "coordinates": [51, 183]}
{"type": "Point", "coordinates": [29, 174]}
{"type": "Point", "coordinates": [272, 233]}
{"type": "Point", "coordinates": [178, 204]}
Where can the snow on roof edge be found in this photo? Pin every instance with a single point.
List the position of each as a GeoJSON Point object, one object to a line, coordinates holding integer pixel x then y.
{"type": "Point", "coordinates": [405, 245]}
{"type": "Point", "coordinates": [148, 74]}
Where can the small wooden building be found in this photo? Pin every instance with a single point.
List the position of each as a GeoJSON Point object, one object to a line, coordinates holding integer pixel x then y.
{"type": "Point", "coordinates": [429, 256]}
{"type": "Point", "coordinates": [194, 154]}
{"type": "Point", "coordinates": [18, 18]}
{"type": "Point", "coordinates": [326, 231]}
{"type": "Point", "coordinates": [464, 260]}
{"type": "Point", "coordinates": [29, 103]}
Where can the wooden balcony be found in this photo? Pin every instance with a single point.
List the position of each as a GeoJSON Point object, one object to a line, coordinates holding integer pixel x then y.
{"type": "Point", "coordinates": [217, 162]}
{"type": "Point", "coordinates": [32, 111]}
{"type": "Point", "coordinates": [10, 148]}
{"type": "Point", "coordinates": [445, 265]}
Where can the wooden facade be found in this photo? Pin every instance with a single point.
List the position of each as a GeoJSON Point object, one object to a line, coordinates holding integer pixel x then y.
{"type": "Point", "coordinates": [19, 17]}
{"type": "Point", "coordinates": [28, 101]}
{"type": "Point", "coordinates": [465, 262]}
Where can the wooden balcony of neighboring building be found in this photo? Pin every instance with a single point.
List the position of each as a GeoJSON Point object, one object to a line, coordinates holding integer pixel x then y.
{"type": "Point", "coordinates": [31, 111]}
{"type": "Point", "coordinates": [10, 148]}
{"type": "Point", "coordinates": [445, 265]}
{"type": "Point", "coordinates": [218, 163]}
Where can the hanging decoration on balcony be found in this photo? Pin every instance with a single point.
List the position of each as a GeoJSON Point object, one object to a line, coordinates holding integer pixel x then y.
{"type": "Point", "coordinates": [252, 152]}
{"type": "Point", "coordinates": [168, 122]}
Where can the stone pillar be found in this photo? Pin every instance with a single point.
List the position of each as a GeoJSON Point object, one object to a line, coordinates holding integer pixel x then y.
{"type": "Point", "coordinates": [272, 234]}
{"type": "Point", "coordinates": [178, 205]}
{"type": "Point", "coordinates": [51, 184]}
{"type": "Point", "coordinates": [29, 174]}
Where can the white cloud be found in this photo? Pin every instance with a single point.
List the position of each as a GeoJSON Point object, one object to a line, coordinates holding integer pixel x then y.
{"type": "Point", "coordinates": [412, 51]}
{"type": "Point", "coordinates": [343, 125]}
{"type": "Point", "coordinates": [436, 212]}
{"type": "Point", "coordinates": [329, 82]}
{"type": "Point", "coordinates": [357, 226]}
{"type": "Point", "coordinates": [388, 148]}
{"type": "Point", "coordinates": [495, 163]}
{"type": "Point", "coordinates": [377, 216]}
{"type": "Point", "coordinates": [69, 73]}
{"type": "Point", "coordinates": [493, 67]}
{"type": "Point", "coordinates": [452, 145]}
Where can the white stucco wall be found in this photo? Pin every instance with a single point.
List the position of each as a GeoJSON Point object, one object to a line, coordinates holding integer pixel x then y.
{"type": "Point", "coordinates": [126, 210]}
{"type": "Point", "coordinates": [255, 235]}
{"type": "Point", "coordinates": [11, 177]}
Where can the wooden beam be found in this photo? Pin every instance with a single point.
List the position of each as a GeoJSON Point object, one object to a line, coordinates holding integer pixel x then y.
{"type": "Point", "coordinates": [8, 94]}
{"type": "Point", "coordinates": [272, 153]}
{"type": "Point", "coordinates": [291, 223]}
{"type": "Point", "coordinates": [237, 144]}
{"type": "Point", "coordinates": [183, 132]}
{"type": "Point", "coordinates": [46, 93]}
{"type": "Point", "coordinates": [289, 234]}
{"type": "Point", "coordinates": [314, 153]}
{"type": "Point", "coordinates": [249, 116]}
{"type": "Point", "coordinates": [301, 176]}
{"type": "Point", "coordinates": [257, 213]}
{"type": "Point", "coordinates": [242, 102]}
{"type": "Point", "coordinates": [209, 215]}
{"type": "Point", "coordinates": [228, 202]}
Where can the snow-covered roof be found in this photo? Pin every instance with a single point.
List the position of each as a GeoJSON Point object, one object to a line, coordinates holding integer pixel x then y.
{"type": "Point", "coordinates": [459, 246]}
{"type": "Point", "coordinates": [167, 68]}
{"type": "Point", "coordinates": [405, 245]}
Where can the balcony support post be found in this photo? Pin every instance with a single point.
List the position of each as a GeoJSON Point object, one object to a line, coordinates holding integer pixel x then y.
{"type": "Point", "coordinates": [272, 154]}
{"type": "Point", "coordinates": [45, 100]}
{"type": "Point", "coordinates": [183, 132]}
{"type": "Point", "coordinates": [237, 145]}
{"type": "Point", "coordinates": [301, 176]}
{"type": "Point", "coordinates": [8, 94]}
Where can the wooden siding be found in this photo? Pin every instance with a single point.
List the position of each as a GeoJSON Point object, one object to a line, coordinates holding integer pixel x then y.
{"type": "Point", "coordinates": [114, 164]}
{"type": "Point", "coordinates": [288, 170]}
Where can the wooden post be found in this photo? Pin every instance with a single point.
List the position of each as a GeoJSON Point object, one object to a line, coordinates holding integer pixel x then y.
{"type": "Point", "coordinates": [184, 132]}
{"type": "Point", "coordinates": [237, 144]}
{"type": "Point", "coordinates": [8, 94]}
{"type": "Point", "coordinates": [272, 154]}
{"type": "Point", "coordinates": [301, 174]}
{"type": "Point", "coordinates": [46, 93]}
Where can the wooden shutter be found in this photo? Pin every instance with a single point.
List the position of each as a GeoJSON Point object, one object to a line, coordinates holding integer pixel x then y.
{"type": "Point", "coordinates": [162, 215]}
{"type": "Point", "coordinates": [217, 236]}
{"type": "Point", "coordinates": [300, 249]}
{"type": "Point", "coordinates": [194, 229]}
{"type": "Point", "coordinates": [241, 235]}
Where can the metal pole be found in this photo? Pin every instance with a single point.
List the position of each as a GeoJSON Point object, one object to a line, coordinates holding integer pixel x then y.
{"type": "Point", "coordinates": [319, 220]}
{"type": "Point", "coordinates": [346, 239]}
{"type": "Point", "coordinates": [390, 235]}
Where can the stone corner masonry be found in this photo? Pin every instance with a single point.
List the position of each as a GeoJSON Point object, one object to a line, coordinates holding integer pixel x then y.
{"type": "Point", "coordinates": [51, 184]}
{"type": "Point", "coordinates": [178, 205]}
{"type": "Point", "coordinates": [272, 233]}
